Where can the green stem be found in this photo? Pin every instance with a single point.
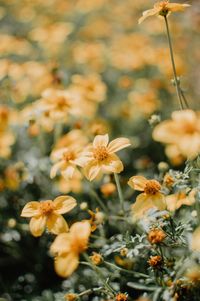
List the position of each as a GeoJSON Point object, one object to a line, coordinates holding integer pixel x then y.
{"type": "Point", "coordinates": [136, 274]}
{"type": "Point", "coordinates": [121, 197]}
{"type": "Point", "coordinates": [173, 64]}
{"type": "Point", "coordinates": [90, 291]}
{"type": "Point", "coordinates": [99, 201]}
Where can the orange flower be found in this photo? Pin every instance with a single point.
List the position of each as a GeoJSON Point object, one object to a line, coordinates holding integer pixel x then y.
{"type": "Point", "coordinates": [68, 246]}
{"type": "Point", "coordinates": [48, 213]}
{"type": "Point", "coordinates": [175, 201]}
{"type": "Point", "coordinates": [181, 134]}
{"type": "Point", "coordinates": [150, 198]}
{"type": "Point", "coordinates": [163, 8]}
{"type": "Point", "coordinates": [100, 157]}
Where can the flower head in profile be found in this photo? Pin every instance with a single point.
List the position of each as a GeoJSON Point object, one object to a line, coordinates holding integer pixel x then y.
{"type": "Point", "coordinates": [67, 247]}
{"type": "Point", "coordinates": [150, 198]}
{"type": "Point", "coordinates": [181, 134]}
{"type": "Point", "coordinates": [175, 201]}
{"type": "Point", "coordinates": [48, 214]}
{"type": "Point", "coordinates": [163, 8]}
{"type": "Point", "coordinates": [100, 157]}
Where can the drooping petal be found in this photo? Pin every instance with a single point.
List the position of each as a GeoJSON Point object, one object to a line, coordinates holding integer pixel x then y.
{"type": "Point", "coordinates": [118, 144]}
{"type": "Point", "coordinates": [148, 13]}
{"type": "Point", "coordinates": [31, 209]}
{"type": "Point", "coordinates": [173, 7]}
{"type": "Point", "coordinates": [92, 170]}
{"type": "Point", "coordinates": [137, 183]}
{"type": "Point", "coordinates": [55, 168]}
{"type": "Point", "coordinates": [81, 231]}
{"type": "Point", "coordinates": [100, 140]}
{"type": "Point", "coordinates": [56, 224]}
{"type": "Point", "coordinates": [61, 244]}
{"type": "Point", "coordinates": [66, 265]}
{"type": "Point", "coordinates": [112, 165]}
{"type": "Point", "coordinates": [37, 225]}
{"type": "Point", "coordinates": [64, 204]}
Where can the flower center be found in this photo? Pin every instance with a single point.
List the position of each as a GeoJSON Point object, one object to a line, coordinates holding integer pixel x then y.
{"type": "Point", "coordinates": [46, 207]}
{"type": "Point", "coordinates": [152, 187]}
{"type": "Point", "coordinates": [67, 156]}
{"type": "Point", "coordinates": [163, 8]}
{"type": "Point", "coordinates": [100, 153]}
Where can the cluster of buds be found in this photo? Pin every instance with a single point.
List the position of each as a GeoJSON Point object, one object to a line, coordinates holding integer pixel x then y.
{"type": "Point", "coordinates": [121, 297]}
{"type": "Point", "coordinates": [155, 261]}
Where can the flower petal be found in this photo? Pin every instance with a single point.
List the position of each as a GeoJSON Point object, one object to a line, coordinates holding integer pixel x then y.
{"type": "Point", "coordinates": [148, 13]}
{"type": "Point", "coordinates": [112, 165]}
{"type": "Point", "coordinates": [118, 144]}
{"type": "Point", "coordinates": [31, 209]}
{"type": "Point", "coordinates": [55, 168]}
{"type": "Point", "coordinates": [81, 231]}
{"type": "Point", "coordinates": [66, 265]}
{"type": "Point", "coordinates": [56, 224]}
{"type": "Point", "coordinates": [101, 140]}
{"type": "Point", "coordinates": [37, 225]}
{"type": "Point", "coordinates": [61, 244]}
{"type": "Point", "coordinates": [92, 170]}
{"type": "Point", "coordinates": [137, 183]}
{"type": "Point", "coordinates": [68, 172]}
{"type": "Point", "coordinates": [173, 7]}
{"type": "Point", "coordinates": [64, 204]}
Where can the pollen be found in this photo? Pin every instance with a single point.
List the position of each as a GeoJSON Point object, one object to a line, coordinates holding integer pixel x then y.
{"type": "Point", "coordinates": [100, 153]}
{"type": "Point", "coordinates": [46, 207]}
{"type": "Point", "coordinates": [68, 156]}
{"type": "Point", "coordinates": [152, 187]}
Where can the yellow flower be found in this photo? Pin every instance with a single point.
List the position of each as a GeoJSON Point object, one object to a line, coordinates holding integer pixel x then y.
{"type": "Point", "coordinates": [175, 201]}
{"type": "Point", "coordinates": [195, 242]}
{"type": "Point", "coordinates": [66, 161]}
{"type": "Point", "coordinates": [48, 213]}
{"type": "Point", "coordinates": [181, 134]}
{"type": "Point", "coordinates": [100, 157]}
{"type": "Point", "coordinates": [150, 198]}
{"type": "Point", "coordinates": [68, 246]}
{"type": "Point", "coordinates": [162, 8]}
{"type": "Point", "coordinates": [7, 139]}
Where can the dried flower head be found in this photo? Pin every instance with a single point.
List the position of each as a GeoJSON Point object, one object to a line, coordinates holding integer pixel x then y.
{"type": "Point", "coordinates": [155, 261]}
{"type": "Point", "coordinates": [121, 297]}
{"type": "Point", "coordinates": [155, 236]}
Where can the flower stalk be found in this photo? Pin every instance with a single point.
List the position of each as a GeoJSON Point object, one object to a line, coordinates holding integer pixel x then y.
{"type": "Point", "coordinates": [119, 190]}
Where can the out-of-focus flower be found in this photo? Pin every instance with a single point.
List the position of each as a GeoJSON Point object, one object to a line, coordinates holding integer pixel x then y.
{"type": "Point", "coordinates": [73, 184]}
{"type": "Point", "coordinates": [195, 242]}
{"type": "Point", "coordinates": [163, 8]}
{"type": "Point", "coordinates": [65, 159]}
{"type": "Point", "coordinates": [181, 134]}
{"type": "Point", "coordinates": [175, 201]}
{"type": "Point", "coordinates": [100, 158]}
{"type": "Point", "coordinates": [7, 139]}
{"type": "Point", "coordinates": [121, 297]}
{"type": "Point", "coordinates": [150, 198]}
{"type": "Point", "coordinates": [48, 213]}
{"type": "Point", "coordinates": [68, 246]}
{"type": "Point", "coordinates": [71, 297]}
{"type": "Point", "coordinates": [193, 274]}
{"type": "Point", "coordinates": [108, 189]}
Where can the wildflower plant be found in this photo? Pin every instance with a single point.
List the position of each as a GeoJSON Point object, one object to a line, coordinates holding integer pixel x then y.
{"type": "Point", "coordinates": [96, 154]}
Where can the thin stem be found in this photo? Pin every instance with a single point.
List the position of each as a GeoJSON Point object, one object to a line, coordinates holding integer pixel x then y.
{"type": "Point", "coordinates": [173, 64]}
{"type": "Point", "coordinates": [136, 274]}
{"type": "Point", "coordinates": [121, 197]}
{"type": "Point", "coordinates": [99, 201]}
{"type": "Point", "coordinates": [90, 291]}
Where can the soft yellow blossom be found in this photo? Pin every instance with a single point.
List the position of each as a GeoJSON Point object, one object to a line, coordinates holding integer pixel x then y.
{"type": "Point", "coordinates": [68, 246]}
{"type": "Point", "coordinates": [100, 158]}
{"type": "Point", "coordinates": [48, 213]}
{"type": "Point", "coordinates": [175, 201]}
{"type": "Point", "coordinates": [181, 134]}
{"type": "Point", "coordinates": [150, 198]}
{"type": "Point", "coordinates": [163, 8]}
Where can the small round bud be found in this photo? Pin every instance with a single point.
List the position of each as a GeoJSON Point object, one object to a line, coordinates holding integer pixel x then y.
{"type": "Point", "coordinates": [96, 258]}
{"type": "Point", "coordinates": [71, 297]}
{"type": "Point", "coordinates": [163, 166]}
{"type": "Point", "coordinates": [194, 213]}
{"type": "Point", "coordinates": [84, 206]}
{"type": "Point", "coordinates": [99, 217]}
{"type": "Point", "coordinates": [12, 222]}
{"type": "Point", "coordinates": [154, 120]}
{"type": "Point", "coordinates": [108, 189]}
{"type": "Point", "coordinates": [124, 252]}
{"type": "Point", "coordinates": [121, 297]}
